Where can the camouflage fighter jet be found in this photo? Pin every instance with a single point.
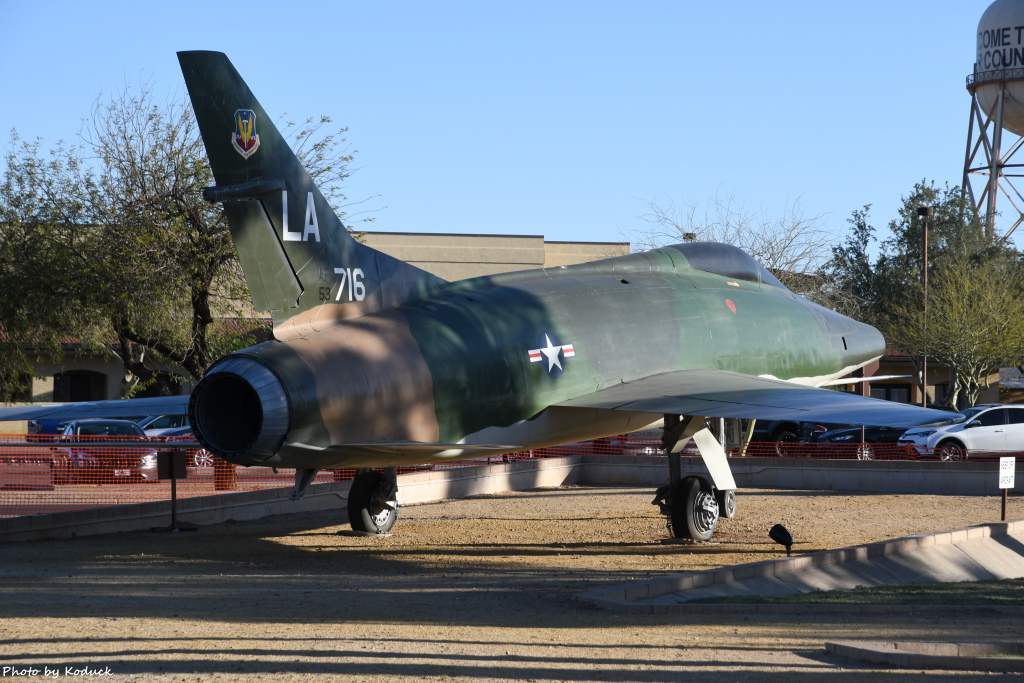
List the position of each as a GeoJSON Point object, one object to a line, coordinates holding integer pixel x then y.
{"type": "Point", "coordinates": [377, 364]}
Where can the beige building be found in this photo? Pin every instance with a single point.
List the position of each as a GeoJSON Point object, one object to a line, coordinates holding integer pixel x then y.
{"type": "Point", "coordinates": [457, 257]}
{"type": "Point", "coordinates": [907, 390]}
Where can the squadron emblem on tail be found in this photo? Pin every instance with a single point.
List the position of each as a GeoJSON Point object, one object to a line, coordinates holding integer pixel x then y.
{"type": "Point", "coordinates": [245, 140]}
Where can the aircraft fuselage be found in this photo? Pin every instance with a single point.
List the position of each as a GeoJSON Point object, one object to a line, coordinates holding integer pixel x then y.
{"type": "Point", "coordinates": [483, 359]}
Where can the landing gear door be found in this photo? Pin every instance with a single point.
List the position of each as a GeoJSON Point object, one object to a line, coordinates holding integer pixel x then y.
{"type": "Point", "coordinates": [715, 460]}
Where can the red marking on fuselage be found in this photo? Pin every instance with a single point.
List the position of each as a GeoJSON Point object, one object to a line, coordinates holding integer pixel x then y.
{"type": "Point", "coordinates": [731, 305]}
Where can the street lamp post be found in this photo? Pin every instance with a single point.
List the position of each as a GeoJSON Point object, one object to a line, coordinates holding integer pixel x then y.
{"type": "Point", "coordinates": [924, 212]}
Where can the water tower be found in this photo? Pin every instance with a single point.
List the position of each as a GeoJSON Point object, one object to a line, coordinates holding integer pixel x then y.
{"type": "Point", "coordinates": [997, 105]}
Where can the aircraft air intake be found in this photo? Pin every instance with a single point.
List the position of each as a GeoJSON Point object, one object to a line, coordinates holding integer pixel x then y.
{"type": "Point", "coordinates": [239, 410]}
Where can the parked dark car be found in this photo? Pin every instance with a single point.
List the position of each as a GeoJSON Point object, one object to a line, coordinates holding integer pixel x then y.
{"type": "Point", "coordinates": [849, 442]}
{"type": "Point", "coordinates": [45, 430]}
{"type": "Point", "coordinates": [81, 457]}
{"type": "Point", "coordinates": [785, 435]}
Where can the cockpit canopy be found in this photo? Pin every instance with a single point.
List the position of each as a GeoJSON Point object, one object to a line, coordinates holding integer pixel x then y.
{"type": "Point", "coordinates": [727, 260]}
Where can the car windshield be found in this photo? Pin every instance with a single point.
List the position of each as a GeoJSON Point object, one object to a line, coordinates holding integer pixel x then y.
{"type": "Point", "coordinates": [107, 429]}
{"type": "Point", "coordinates": [967, 416]}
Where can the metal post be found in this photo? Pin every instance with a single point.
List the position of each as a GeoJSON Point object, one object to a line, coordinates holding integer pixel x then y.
{"type": "Point", "coordinates": [994, 168]}
{"type": "Point", "coordinates": [747, 437]}
{"type": "Point", "coordinates": [174, 502]}
{"type": "Point", "coordinates": [924, 212]}
{"type": "Point", "coordinates": [171, 465]}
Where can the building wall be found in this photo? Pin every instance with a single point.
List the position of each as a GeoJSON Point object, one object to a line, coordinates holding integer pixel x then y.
{"type": "Point", "coordinates": [456, 257]}
{"type": "Point", "coordinates": [938, 381]}
{"type": "Point", "coordinates": [568, 253]}
{"type": "Point", "coordinates": [105, 383]}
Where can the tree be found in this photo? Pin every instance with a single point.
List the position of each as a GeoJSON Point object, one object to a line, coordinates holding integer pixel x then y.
{"type": "Point", "coordinates": [974, 287]}
{"type": "Point", "coordinates": [45, 281]}
{"type": "Point", "coordinates": [793, 247]}
{"type": "Point", "coordinates": [849, 275]}
{"type": "Point", "coordinates": [972, 320]}
{"type": "Point", "coordinates": [110, 240]}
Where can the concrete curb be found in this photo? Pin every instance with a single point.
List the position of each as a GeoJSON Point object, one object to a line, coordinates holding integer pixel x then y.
{"type": "Point", "coordinates": [199, 510]}
{"type": "Point", "coordinates": [997, 657]}
{"type": "Point", "coordinates": [986, 551]}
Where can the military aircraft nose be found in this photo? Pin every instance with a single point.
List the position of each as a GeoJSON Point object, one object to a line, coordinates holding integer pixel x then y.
{"type": "Point", "coordinates": [862, 344]}
{"type": "Point", "coordinates": [856, 343]}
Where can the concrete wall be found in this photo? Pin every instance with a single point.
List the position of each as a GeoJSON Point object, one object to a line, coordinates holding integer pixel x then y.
{"type": "Point", "coordinates": [809, 474]}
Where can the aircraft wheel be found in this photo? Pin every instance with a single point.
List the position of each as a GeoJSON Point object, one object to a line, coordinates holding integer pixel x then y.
{"type": "Point", "coordinates": [726, 503]}
{"type": "Point", "coordinates": [694, 510]}
{"type": "Point", "coordinates": [372, 505]}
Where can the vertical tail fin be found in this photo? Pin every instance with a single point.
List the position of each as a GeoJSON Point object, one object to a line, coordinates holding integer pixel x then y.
{"type": "Point", "coordinates": [299, 261]}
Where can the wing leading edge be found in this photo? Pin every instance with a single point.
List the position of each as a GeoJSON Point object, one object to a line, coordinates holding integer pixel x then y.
{"type": "Point", "coordinates": [717, 393]}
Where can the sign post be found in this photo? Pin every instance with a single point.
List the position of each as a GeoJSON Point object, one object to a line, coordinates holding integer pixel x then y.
{"type": "Point", "coordinates": [172, 465]}
{"type": "Point", "coordinates": [1007, 470]}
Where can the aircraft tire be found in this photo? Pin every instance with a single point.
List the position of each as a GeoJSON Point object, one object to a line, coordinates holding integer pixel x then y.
{"type": "Point", "coordinates": [366, 505]}
{"type": "Point", "coordinates": [694, 510]}
{"type": "Point", "coordinates": [726, 503]}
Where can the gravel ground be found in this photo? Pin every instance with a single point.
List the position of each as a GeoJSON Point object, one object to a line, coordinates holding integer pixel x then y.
{"type": "Point", "coordinates": [477, 589]}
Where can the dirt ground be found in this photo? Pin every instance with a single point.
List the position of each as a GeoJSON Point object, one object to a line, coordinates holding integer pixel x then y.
{"type": "Point", "coordinates": [478, 589]}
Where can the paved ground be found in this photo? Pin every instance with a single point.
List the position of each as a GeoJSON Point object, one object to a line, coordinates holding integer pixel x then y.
{"type": "Point", "coordinates": [478, 589]}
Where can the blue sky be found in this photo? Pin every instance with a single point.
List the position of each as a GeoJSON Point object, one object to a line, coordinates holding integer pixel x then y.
{"type": "Point", "coordinates": [555, 118]}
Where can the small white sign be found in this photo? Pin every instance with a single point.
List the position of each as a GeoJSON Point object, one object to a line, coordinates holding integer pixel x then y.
{"type": "Point", "coordinates": [1007, 468]}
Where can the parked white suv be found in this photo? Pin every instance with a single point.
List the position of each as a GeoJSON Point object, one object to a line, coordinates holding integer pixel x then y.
{"type": "Point", "coordinates": [993, 427]}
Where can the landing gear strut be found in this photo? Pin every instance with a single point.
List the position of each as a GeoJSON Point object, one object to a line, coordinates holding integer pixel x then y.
{"type": "Point", "coordinates": [373, 501]}
{"type": "Point", "coordinates": [692, 505]}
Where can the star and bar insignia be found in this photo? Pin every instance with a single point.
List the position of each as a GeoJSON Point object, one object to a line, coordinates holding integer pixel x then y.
{"type": "Point", "coordinates": [553, 352]}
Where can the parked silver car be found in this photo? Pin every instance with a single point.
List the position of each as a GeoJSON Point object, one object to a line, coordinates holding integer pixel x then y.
{"type": "Point", "coordinates": [158, 425]}
{"type": "Point", "coordinates": [993, 427]}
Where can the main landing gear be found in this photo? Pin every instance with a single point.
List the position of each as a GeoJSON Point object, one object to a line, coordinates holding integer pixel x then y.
{"type": "Point", "coordinates": [373, 501]}
{"type": "Point", "coordinates": [372, 498]}
{"type": "Point", "coordinates": [692, 505]}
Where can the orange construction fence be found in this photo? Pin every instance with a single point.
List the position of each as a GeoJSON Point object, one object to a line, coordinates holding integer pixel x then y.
{"type": "Point", "coordinates": [58, 476]}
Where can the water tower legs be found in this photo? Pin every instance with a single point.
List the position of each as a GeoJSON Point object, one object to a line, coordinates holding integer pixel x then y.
{"type": "Point", "coordinates": [985, 158]}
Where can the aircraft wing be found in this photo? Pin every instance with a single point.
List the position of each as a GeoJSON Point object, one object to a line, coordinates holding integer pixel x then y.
{"type": "Point", "coordinates": [161, 405]}
{"type": "Point", "coordinates": [717, 393]}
